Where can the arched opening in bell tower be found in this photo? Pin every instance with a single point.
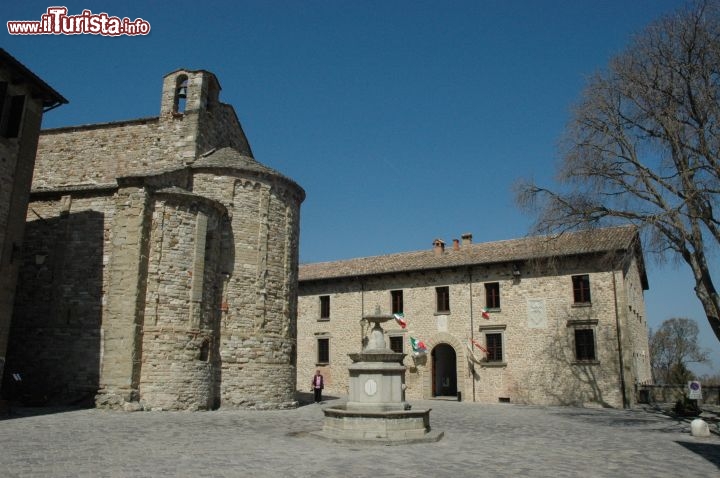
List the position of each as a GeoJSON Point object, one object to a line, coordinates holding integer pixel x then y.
{"type": "Point", "coordinates": [181, 92]}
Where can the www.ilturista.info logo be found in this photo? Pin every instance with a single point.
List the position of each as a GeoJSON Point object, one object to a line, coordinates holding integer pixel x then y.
{"type": "Point", "coordinates": [57, 22]}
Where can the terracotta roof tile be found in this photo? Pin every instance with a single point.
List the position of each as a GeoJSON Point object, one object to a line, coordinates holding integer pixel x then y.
{"type": "Point", "coordinates": [535, 247]}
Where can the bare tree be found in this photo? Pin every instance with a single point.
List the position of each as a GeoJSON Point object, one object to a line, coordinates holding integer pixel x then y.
{"type": "Point", "coordinates": [672, 347]}
{"type": "Point", "coordinates": [643, 147]}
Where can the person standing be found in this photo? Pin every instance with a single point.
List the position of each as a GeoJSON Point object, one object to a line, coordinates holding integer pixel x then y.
{"type": "Point", "coordinates": [317, 386]}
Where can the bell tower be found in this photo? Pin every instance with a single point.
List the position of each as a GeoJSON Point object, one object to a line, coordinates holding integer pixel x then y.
{"type": "Point", "coordinates": [190, 112]}
{"type": "Point", "coordinates": [187, 92]}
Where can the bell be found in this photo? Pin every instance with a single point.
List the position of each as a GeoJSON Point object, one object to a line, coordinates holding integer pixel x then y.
{"type": "Point", "coordinates": [182, 92]}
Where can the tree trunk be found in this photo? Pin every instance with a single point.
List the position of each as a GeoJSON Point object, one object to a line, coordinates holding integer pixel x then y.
{"type": "Point", "coordinates": [710, 302]}
{"type": "Point", "coordinates": [704, 287]}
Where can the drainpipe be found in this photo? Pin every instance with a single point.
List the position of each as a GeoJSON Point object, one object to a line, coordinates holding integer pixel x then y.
{"type": "Point", "coordinates": [472, 328]}
{"type": "Point", "coordinates": [362, 313]}
{"type": "Point", "coordinates": [362, 299]}
{"type": "Point", "coordinates": [619, 341]}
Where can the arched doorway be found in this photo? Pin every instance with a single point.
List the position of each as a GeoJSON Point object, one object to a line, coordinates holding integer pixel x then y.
{"type": "Point", "coordinates": [444, 371]}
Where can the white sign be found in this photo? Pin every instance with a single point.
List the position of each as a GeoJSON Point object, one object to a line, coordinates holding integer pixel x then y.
{"type": "Point", "coordinates": [695, 390]}
{"type": "Point", "coordinates": [370, 387]}
{"type": "Point", "coordinates": [536, 314]}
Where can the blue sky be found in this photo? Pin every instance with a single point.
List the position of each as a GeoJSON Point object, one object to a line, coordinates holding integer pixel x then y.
{"type": "Point", "coordinates": [403, 120]}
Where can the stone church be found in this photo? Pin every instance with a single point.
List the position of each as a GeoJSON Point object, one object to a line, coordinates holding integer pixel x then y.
{"type": "Point", "coordinates": [160, 262]}
{"type": "Point", "coordinates": [537, 320]}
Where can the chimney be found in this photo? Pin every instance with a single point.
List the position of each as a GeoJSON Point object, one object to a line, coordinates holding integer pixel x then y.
{"type": "Point", "coordinates": [438, 246]}
{"type": "Point", "coordinates": [456, 245]}
{"type": "Point", "coordinates": [466, 239]}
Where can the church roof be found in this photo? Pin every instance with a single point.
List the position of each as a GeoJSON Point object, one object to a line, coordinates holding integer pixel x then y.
{"type": "Point", "coordinates": [594, 241]}
{"type": "Point", "coordinates": [230, 158]}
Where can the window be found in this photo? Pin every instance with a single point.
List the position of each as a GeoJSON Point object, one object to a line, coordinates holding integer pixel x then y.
{"type": "Point", "coordinates": [11, 112]}
{"type": "Point", "coordinates": [14, 119]}
{"type": "Point", "coordinates": [584, 344]}
{"type": "Point", "coordinates": [396, 297]}
{"type": "Point", "coordinates": [493, 343]}
{"type": "Point", "coordinates": [583, 336]}
{"type": "Point", "coordinates": [494, 338]}
{"type": "Point", "coordinates": [581, 289]}
{"type": "Point", "coordinates": [396, 343]}
{"type": "Point", "coordinates": [492, 295]}
{"type": "Point", "coordinates": [325, 307]}
{"type": "Point", "coordinates": [204, 351]}
{"type": "Point", "coordinates": [442, 295]}
{"type": "Point", "coordinates": [323, 350]}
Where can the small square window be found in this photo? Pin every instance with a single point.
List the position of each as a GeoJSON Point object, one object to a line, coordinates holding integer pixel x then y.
{"type": "Point", "coordinates": [581, 289]}
{"type": "Point", "coordinates": [323, 350]}
{"type": "Point", "coordinates": [584, 344]}
{"type": "Point", "coordinates": [442, 294]}
{"type": "Point", "coordinates": [493, 343]}
{"type": "Point", "coordinates": [492, 295]}
{"type": "Point", "coordinates": [324, 306]}
{"type": "Point", "coordinates": [396, 343]}
{"type": "Point", "coordinates": [396, 296]}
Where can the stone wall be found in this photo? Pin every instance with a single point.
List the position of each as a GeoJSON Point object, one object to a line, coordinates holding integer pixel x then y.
{"type": "Point", "coordinates": [538, 366]}
{"type": "Point", "coordinates": [98, 154]}
{"type": "Point", "coordinates": [637, 325]}
{"type": "Point", "coordinates": [182, 307]}
{"type": "Point", "coordinates": [126, 283]}
{"type": "Point", "coordinates": [17, 158]}
{"type": "Point", "coordinates": [101, 153]}
{"type": "Point", "coordinates": [669, 394]}
{"type": "Point", "coordinates": [258, 324]}
{"type": "Point", "coordinates": [56, 337]}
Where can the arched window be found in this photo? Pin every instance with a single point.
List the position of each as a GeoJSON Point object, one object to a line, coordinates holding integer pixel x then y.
{"type": "Point", "coordinates": [181, 85]}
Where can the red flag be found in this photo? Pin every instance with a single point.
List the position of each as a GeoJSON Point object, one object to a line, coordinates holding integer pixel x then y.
{"type": "Point", "coordinates": [485, 314]}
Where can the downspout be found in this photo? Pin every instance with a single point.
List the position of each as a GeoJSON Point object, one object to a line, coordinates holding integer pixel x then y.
{"type": "Point", "coordinates": [472, 329]}
{"type": "Point", "coordinates": [362, 299]}
{"type": "Point", "coordinates": [619, 341]}
{"type": "Point", "coordinates": [362, 313]}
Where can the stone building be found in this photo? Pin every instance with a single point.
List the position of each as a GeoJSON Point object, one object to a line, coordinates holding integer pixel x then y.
{"type": "Point", "coordinates": [23, 99]}
{"type": "Point", "coordinates": [536, 320]}
{"type": "Point", "coordinates": [160, 263]}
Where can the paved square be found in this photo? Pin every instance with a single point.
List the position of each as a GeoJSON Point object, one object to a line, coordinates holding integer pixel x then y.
{"type": "Point", "coordinates": [480, 440]}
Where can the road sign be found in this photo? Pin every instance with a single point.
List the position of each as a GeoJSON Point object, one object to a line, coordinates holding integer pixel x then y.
{"type": "Point", "coordinates": [695, 390]}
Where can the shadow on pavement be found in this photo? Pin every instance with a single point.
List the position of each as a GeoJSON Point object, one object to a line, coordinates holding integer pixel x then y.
{"type": "Point", "coordinates": [308, 398]}
{"type": "Point", "coordinates": [709, 451]}
{"type": "Point", "coordinates": [22, 411]}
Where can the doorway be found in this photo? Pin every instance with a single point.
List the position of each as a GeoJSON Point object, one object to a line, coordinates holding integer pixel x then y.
{"type": "Point", "coordinates": [444, 371]}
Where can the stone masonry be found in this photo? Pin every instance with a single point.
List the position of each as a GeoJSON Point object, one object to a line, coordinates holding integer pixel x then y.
{"type": "Point", "coordinates": [160, 265]}
{"type": "Point", "coordinates": [536, 319]}
{"type": "Point", "coordinates": [23, 99]}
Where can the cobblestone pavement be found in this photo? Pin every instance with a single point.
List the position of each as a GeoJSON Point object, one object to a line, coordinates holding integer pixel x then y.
{"type": "Point", "coordinates": [480, 440]}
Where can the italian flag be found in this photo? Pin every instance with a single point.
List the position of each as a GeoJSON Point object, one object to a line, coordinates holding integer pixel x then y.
{"type": "Point", "coordinates": [478, 345]}
{"type": "Point", "coordinates": [400, 319]}
{"type": "Point", "coordinates": [485, 314]}
{"type": "Point", "coordinates": [418, 346]}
